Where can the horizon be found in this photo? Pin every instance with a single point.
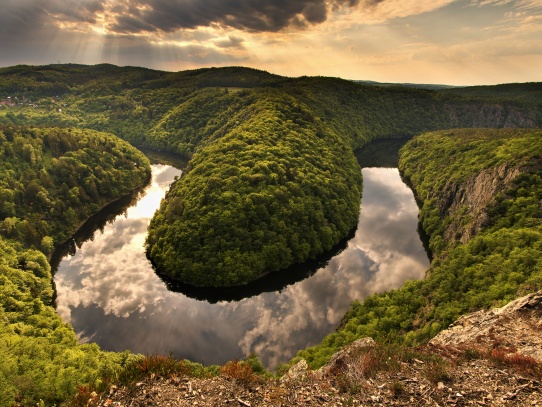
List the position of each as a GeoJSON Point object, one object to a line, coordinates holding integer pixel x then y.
{"type": "Point", "coordinates": [448, 42]}
{"type": "Point", "coordinates": [363, 81]}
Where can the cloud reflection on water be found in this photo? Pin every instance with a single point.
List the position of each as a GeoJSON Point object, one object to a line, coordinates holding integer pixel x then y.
{"type": "Point", "coordinates": [110, 294]}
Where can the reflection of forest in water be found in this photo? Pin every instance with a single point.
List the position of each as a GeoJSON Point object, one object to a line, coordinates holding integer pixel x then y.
{"type": "Point", "coordinates": [109, 292]}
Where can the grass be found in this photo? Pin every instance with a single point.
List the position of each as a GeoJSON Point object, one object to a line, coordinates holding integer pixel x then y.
{"type": "Point", "coordinates": [366, 363]}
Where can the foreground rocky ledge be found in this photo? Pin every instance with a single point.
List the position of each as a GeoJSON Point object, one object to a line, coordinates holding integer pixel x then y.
{"type": "Point", "coordinates": [489, 358]}
{"type": "Point", "coordinates": [516, 328]}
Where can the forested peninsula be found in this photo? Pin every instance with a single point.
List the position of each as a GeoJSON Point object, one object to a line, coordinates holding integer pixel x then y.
{"type": "Point", "coordinates": [272, 180]}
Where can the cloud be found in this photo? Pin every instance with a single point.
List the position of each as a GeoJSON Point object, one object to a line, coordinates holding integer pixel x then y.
{"type": "Point", "coordinates": [168, 16]}
{"type": "Point", "coordinates": [231, 42]}
{"type": "Point", "coordinates": [18, 18]}
{"type": "Point", "coordinates": [253, 15]}
{"type": "Point", "coordinates": [75, 11]}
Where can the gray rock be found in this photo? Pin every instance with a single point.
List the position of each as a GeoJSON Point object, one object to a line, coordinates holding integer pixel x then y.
{"type": "Point", "coordinates": [517, 326]}
{"type": "Point", "coordinates": [296, 373]}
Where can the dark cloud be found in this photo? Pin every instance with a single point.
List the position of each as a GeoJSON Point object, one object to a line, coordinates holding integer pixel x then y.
{"type": "Point", "coordinates": [27, 17]}
{"type": "Point", "coordinates": [25, 22]}
{"type": "Point", "coordinates": [81, 11]}
{"type": "Point", "coordinates": [130, 24]}
{"type": "Point", "coordinates": [315, 13]}
{"type": "Point", "coordinates": [248, 15]}
{"type": "Point", "coordinates": [18, 18]}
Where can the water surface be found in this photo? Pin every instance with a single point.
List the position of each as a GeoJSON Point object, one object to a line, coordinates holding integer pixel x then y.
{"type": "Point", "coordinates": [109, 292]}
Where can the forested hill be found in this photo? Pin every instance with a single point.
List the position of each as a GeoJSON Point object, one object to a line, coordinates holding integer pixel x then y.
{"type": "Point", "coordinates": [529, 93]}
{"type": "Point", "coordinates": [175, 111]}
{"type": "Point", "coordinates": [53, 179]}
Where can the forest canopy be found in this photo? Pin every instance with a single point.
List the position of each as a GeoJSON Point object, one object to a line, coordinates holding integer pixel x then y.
{"type": "Point", "coordinates": [272, 181]}
{"type": "Point", "coordinates": [269, 193]}
{"type": "Point", "coordinates": [52, 179]}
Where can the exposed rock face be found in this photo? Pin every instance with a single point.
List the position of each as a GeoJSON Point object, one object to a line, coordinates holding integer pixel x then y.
{"type": "Point", "coordinates": [490, 115]}
{"type": "Point", "coordinates": [517, 326]}
{"type": "Point", "coordinates": [467, 203]}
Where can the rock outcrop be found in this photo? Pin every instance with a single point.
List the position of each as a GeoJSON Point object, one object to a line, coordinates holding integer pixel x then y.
{"type": "Point", "coordinates": [501, 115]}
{"type": "Point", "coordinates": [341, 359]}
{"type": "Point", "coordinates": [516, 327]}
{"type": "Point", "coordinates": [467, 203]}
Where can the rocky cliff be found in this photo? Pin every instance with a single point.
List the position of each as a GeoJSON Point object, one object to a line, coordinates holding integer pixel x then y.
{"type": "Point", "coordinates": [500, 115]}
{"type": "Point", "coordinates": [467, 202]}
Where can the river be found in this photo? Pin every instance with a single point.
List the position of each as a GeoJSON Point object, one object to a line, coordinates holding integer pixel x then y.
{"type": "Point", "coordinates": [109, 292]}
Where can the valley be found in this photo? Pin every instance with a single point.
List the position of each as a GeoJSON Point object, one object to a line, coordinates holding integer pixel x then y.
{"type": "Point", "coordinates": [271, 167]}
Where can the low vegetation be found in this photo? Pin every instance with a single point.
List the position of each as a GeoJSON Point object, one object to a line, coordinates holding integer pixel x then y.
{"type": "Point", "coordinates": [381, 373]}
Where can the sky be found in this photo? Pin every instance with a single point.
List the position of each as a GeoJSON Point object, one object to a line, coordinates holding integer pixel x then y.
{"type": "Point", "coordinates": [456, 42]}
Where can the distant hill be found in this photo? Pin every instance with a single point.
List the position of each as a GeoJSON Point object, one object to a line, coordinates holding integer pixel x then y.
{"type": "Point", "coordinates": [408, 85]}
{"type": "Point", "coordinates": [530, 92]}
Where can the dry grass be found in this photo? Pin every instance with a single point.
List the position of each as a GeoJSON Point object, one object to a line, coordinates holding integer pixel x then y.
{"type": "Point", "coordinates": [240, 372]}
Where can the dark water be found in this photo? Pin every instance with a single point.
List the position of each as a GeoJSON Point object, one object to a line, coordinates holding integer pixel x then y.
{"type": "Point", "coordinates": [109, 292]}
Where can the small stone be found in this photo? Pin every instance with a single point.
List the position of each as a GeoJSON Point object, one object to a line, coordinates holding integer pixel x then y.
{"type": "Point", "coordinates": [440, 386]}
